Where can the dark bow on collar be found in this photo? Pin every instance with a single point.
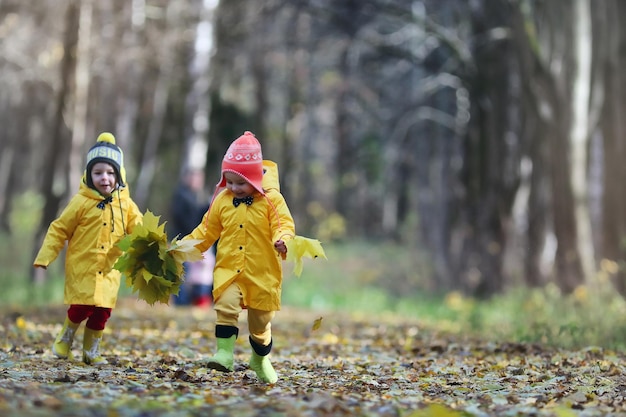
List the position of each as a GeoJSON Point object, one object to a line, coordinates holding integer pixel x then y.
{"type": "Point", "coordinates": [247, 200]}
{"type": "Point", "coordinates": [104, 202]}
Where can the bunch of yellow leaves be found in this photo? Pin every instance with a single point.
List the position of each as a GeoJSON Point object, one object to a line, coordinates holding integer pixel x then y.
{"type": "Point", "coordinates": [300, 247]}
{"type": "Point", "coordinates": [154, 269]}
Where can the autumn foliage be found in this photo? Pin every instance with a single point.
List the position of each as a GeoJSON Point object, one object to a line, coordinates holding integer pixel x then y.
{"type": "Point", "coordinates": [154, 269]}
{"type": "Point", "coordinates": [343, 365]}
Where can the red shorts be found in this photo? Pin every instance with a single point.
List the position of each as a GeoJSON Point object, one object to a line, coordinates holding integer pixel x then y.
{"type": "Point", "coordinates": [97, 316]}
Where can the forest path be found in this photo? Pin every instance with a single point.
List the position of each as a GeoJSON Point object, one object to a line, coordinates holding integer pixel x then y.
{"type": "Point", "coordinates": [350, 365]}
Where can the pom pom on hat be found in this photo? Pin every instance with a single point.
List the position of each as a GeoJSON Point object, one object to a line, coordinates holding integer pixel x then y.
{"type": "Point", "coordinates": [106, 137]}
{"type": "Point", "coordinates": [105, 150]}
{"type": "Point", "coordinates": [245, 158]}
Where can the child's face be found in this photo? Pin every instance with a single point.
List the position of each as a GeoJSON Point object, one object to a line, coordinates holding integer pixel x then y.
{"type": "Point", "coordinates": [238, 185]}
{"type": "Point", "coordinates": [103, 178]}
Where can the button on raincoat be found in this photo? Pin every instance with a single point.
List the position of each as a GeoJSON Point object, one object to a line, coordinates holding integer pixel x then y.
{"type": "Point", "coordinates": [92, 234]}
{"type": "Point", "coordinates": [245, 251]}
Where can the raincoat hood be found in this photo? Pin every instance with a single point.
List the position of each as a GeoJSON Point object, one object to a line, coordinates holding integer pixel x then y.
{"type": "Point", "coordinates": [270, 176]}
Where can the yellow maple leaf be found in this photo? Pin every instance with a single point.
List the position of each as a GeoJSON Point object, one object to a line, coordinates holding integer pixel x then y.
{"type": "Point", "coordinates": [300, 247]}
{"type": "Point", "coordinates": [151, 223]}
{"type": "Point", "coordinates": [185, 250]}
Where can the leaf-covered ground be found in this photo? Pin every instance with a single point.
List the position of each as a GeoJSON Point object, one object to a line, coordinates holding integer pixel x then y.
{"type": "Point", "coordinates": [348, 366]}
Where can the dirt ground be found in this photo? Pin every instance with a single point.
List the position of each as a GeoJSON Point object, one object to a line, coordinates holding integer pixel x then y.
{"type": "Point", "coordinates": [329, 363]}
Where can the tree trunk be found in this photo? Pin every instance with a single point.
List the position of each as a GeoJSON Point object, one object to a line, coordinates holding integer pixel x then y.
{"type": "Point", "coordinates": [126, 89]}
{"type": "Point", "coordinates": [538, 217]}
{"type": "Point", "coordinates": [579, 134]}
{"type": "Point", "coordinates": [55, 165]}
{"type": "Point", "coordinates": [548, 95]}
{"type": "Point", "coordinates": [159, 106]}
{"type": "Point", "coordinates": [568, 267]}
{"type": "Point", "coordinates": [491, 160]}
{"type": "Point", "coordinates": [345, 151]}
{"type": "Point", "coordinates": [81, 99]}
{"type": "Point", "coordinates": [260, 79]}
{"type": "Point", "coordinates": [198, 101]}
{"type": "Point", "coordinates": [292, 111]}
{"type": "Point", "coordinates": [7, 158]}
{"type": "Point", "coordinates": [613, 126]}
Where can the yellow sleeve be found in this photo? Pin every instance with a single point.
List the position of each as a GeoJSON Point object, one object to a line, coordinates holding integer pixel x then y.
{"type": "Point", "coordinates": [135, 216]}
{"type": "Point", "coordinates": [209, 229]}
{"type": "Point", "coordinates": [283, 226]}
{"type": "Point", "coordinates": [59, 232]}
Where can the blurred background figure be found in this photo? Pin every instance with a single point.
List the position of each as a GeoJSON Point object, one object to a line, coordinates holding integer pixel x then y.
{"type": "Point", "coordinates": [188, 205]}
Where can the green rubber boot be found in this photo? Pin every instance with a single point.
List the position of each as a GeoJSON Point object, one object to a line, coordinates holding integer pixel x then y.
{"type": "Point", "coordinates": [91, 347]}
{"type": "Point", "coordinates": [263, 368]}
{"type": "Point", "coordinates": [62, 346]}
{"type": "Point", "coordinates": [223, 360]}
{"type": "Point", "coordinates": [260, 362]}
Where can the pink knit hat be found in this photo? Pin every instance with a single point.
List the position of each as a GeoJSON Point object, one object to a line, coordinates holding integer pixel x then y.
{"type": "Point", "coordinates": [244, 158]}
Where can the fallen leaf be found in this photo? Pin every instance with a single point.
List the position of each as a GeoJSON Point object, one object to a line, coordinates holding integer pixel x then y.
{"type": "Point", "coordinates": [317, 324]}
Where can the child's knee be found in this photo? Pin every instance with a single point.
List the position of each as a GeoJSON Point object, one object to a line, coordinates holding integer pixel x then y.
{"type": "Point", "coordinates": [228, 305]}
{"type": "Point", "coordinates": [260, 326]}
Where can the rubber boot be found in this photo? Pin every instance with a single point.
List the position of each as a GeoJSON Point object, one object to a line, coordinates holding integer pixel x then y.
{"type": "Point", "coordinates": [62, 346]}
{"type": "Point", "coordinates": [260, 362]}
{"type": "Point", "coordinates": [91, 346]}
{"type": "Point", "coordinates": [224, 359]}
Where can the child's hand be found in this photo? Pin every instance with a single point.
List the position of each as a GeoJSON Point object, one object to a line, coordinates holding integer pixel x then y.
{"type": "Point", "coordinates": [280, 246]}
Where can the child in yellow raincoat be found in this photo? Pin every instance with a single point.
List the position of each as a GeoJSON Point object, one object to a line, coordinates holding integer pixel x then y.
{"type": "Point", "coordinates": [251, 222]}
{"type": "Point", "coordinates": [94, 220]}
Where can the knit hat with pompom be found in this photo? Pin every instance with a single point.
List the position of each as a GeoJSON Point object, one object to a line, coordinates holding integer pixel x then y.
{"type": "Point", "coordinates": [244, 158]}
{"type": "Point", "coordinates": [105, 150]}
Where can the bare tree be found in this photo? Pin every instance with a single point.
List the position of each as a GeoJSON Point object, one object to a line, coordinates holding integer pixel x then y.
{"type": "Point", "coordinates": [56, 164]}
{"type": "Point", "coordinates": [81, 97]}
{"type": "Point", "coordinates": [610, 40]}
{"type": "Point", "coordinates": [166, 67]}
{"type": "Point", "coordinates": [543, 42]}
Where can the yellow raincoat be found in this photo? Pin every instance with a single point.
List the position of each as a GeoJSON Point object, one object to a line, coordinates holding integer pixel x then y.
{"type": "Point", "coordinates": [92, 234]}
{"type": "Point", "coordinates": [245, 251]}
